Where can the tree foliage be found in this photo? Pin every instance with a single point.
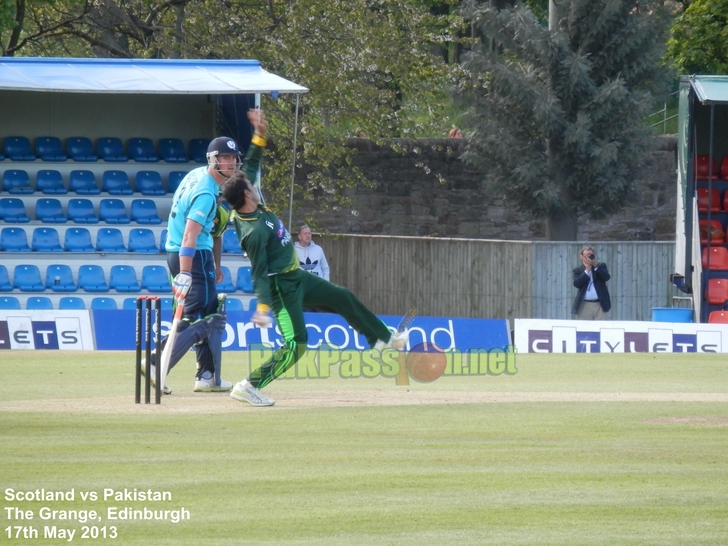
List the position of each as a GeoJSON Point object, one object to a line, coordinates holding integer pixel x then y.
{"type": "Point", "coordinates": [39, 27]}
{"type": "Point", "coordinates": [556, 114]}
{"type": "Point", "coordinates": [369, 64]}
{"type": "Point", "coordinates": [699, 41]}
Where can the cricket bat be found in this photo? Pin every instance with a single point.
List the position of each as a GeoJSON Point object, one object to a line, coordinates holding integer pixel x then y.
{"type": "Point", "coordinates": [402, 377]}
{"type": "Point", "coordinates": [167, 353]}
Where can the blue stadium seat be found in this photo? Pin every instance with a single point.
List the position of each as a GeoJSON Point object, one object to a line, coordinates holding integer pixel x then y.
{"type": "Point", "coordinates": [230, 243]}
{"type": "Point", "coordinates": [113, 211]}
{"type": "Point", "coordinates": [78, 240]}
{"type": "Point", "coordinates": [49, 149]}
{"type": "Point", "coordinates": [173, 180]}
{"type": "Point", "coordinates": [252, 304]}
{"type": "Point", "coordinates": [123, 278]}
{"type": "Point", "coordinates": [172, 150]}
{"type": "Point", "coordinates": [116, 183]}
{"type": "Point", "coordinates": [59, 278]}
{"type": "Point", "coordinates": [71, 303]}
{"type": "Point", "coordinates": [149, 183]}
{"type": "Point", "coordinates": [198, 149]}
{"type": "Point", "coordinates": [50, 211]}
{"type": "Point", "coordinates": [50, 182]}
{"type": "Point", "coordinates": [18, 148]}
{"type": "Point", "coordinates": [45, 239]}
{"type": "Point", "coordinates": [245, 279]}
{"type": "Point", "coordinates": [110, 240]}
{"type": "Point", "coordinates": [143, 240]}
{"type": "Point", "coordinates": [9, 302]}
{"type": "Point", "coordinates": [17, 182]}
{"type": "Point", "coordinates": [5, 284]}
{"type": "Point", "coordinates": [129, 304]}
{"type": "Point", "coordinates": [111, 149]}
{"type": "Point", "coordinates": [234, 304]}
{"type": "Point", "coordinates": [104, 303]}
{"type": "Point", "coordinates": [227, 284]}
{"type": "Point", "coordinates": [141, 150]}
{"type": "Point", "coordinates": [38, 303]}
{"type": "Point", "coordinates": [163, 241]}
{"type": "Point", "coordinates": [155, 278]}
{"type": "Point", "coordinates": [12, 210]}
{"type": "Point", "coordinates": [26, 278]}
{"type": "Point", "coordinates": [14, 240]}
{"type": "Point", "coordinates": [144, 211]}
{"type": "Point", "coordinates": [83, 182]}
{"type": "Point", "coordinates": [81, 211]}
{"type": "Point", "coordinates": [167, 304]}
{"type": "Point", "coordinates": [91, 278]}
{"type": "Point", "coordinates": [81, 149]}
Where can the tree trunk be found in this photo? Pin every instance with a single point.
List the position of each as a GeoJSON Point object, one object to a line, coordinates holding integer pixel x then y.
{"type": "Point", "coordinates": [562, 227]}
{"type": "Point", "coordinates": [554, 14]}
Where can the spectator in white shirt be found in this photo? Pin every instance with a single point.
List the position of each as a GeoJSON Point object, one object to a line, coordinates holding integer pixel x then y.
{"type": "Point", "coordinates": [311, 256]}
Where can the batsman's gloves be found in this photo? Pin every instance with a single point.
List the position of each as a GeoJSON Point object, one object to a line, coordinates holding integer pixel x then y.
{"type": "Point", "coordinates": [181, 285]}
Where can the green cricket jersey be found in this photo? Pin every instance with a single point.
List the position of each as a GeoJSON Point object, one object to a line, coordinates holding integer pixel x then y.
{"type": "Point", "coordinates": [268, 245]}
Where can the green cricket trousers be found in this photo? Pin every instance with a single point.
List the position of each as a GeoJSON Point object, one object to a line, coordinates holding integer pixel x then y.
{"type": "Point", "coordinates": [290, 293]}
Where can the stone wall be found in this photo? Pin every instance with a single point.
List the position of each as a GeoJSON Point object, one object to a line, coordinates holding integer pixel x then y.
{"type": "Point", "coordinates": [427, 191]}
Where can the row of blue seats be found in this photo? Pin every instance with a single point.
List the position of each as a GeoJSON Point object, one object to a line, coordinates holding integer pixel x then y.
{"type": "Point", "coordinates": [83, 182]}
{"type": "Point", "coordinates": [80, 210]}
{"type": "Point", "coordinates": [46, 239]}
{"type": "Point", "coordinates": [112, 149]}
{"type": "Point", "coordinates": [122, 278]}
{"type": "Point", "coordinates": [77, 303]}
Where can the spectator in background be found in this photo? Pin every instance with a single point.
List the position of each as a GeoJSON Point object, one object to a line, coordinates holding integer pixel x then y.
{"type": "Point", "coordinates": [455, 133]}
{"type": "Point", "coordinates": [592, 301]}
{"type": "Point", "coordinates": [310, 255]}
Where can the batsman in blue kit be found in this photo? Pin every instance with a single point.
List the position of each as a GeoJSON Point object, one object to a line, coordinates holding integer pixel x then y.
{"type": "Point", "coordinates": [196, 223]}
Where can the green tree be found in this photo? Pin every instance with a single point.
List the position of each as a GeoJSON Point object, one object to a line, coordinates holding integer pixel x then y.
{"type": "Point", "coordinates": [7, 16]}
{"type": "Point", "coordinates": [556, 113]}
{"type": "Point", "coordinates": [699, 41]}
{"type": "Point", "coordinates": [370, 64]}
{"type": "Point", "coordinates": [41, 27]}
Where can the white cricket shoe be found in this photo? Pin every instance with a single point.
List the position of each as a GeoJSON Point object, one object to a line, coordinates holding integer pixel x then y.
{"type": "Point", "coordinates": [209, 385]}
{"type": "Point", "coordinates": [153, 377]}
{"type": "Point", "coordinates": [397, 341]}
{"type": "Point", "coordinates": [245, 392]}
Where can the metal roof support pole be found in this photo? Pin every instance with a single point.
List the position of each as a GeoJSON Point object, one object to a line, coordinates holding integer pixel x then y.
{"type": "Point", "coordinates": [293, 166]}
{"type": "Point", "coordinates": [710, 203]}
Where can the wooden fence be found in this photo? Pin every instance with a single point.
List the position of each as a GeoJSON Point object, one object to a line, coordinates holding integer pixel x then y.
{"type": "Point", "coordinates": [495, 279]}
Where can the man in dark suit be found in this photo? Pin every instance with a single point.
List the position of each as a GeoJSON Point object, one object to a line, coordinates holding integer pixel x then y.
{"type": "Point", "coordinates": [592, 301]}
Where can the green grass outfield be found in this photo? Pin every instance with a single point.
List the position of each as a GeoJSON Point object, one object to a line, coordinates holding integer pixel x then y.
{"type": "Point", "coordinates": [573, 449]}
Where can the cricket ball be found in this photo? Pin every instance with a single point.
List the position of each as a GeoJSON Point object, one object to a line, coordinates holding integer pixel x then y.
{"type": "Point", "coordinates": [426, 362]}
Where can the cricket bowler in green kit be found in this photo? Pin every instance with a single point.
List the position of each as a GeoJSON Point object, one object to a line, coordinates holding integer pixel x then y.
{"type": "Point", "coordinates": [283, 287]}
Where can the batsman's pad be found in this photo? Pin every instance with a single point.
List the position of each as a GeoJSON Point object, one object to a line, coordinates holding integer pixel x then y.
{"type": "Point", "coordinates": [192, 334]}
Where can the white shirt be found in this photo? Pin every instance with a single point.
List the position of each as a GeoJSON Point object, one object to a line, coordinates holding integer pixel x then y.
{"type": "Point", "coordinates": [591, 292]}
{"type": "Point", "coordinates": [312, 259]}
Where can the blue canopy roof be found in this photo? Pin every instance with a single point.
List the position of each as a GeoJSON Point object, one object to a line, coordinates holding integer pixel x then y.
{"type": "Point", "coordinates": [165, 76]}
